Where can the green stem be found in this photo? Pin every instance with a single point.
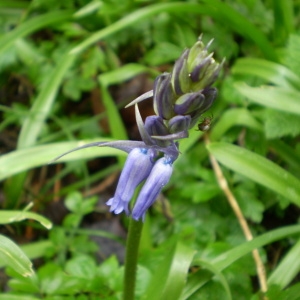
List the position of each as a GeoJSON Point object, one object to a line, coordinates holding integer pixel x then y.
{"type": "Point", "coordinates": [132, 249]}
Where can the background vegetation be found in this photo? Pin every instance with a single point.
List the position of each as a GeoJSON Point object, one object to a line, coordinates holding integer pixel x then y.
{"type": "Point", "coordinates": [67, 70]}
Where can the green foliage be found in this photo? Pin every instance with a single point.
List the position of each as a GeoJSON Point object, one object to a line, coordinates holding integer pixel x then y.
{"type": "Point", "coordinates": [66, 70]}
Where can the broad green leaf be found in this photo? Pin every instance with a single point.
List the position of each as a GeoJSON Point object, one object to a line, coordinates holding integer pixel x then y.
{"type": "Point", "coordinates": [14, 257]}
{"type": "Point", "coordinates": [278, 124]}
{"type": "Point", "coordinates": [25, 159]}
{"type": "Point", "coordinates": [270, 71]}
{"type": "Point", "coordinates": [168, 281]}
{"type": "Point", "coordinates": [275, 97]}
{"type": "Point", "coordinates": [11, 216]}
{"type": "Point", "coordinates": [258, 169]}
{"type": "Point", "coordinates": [288, 268]}
{"type": "Point", "coordinates": [33, 250]}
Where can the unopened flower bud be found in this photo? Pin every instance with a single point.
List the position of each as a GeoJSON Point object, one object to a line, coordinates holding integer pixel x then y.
{"type": "Point", "coordinates": [179, 123]}
{"type": "Point", "coordinates": [180, 75]}
{"type": "Point", "coordinates": [163, 96]}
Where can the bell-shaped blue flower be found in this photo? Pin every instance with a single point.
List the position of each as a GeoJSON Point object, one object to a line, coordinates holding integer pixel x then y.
{"type": "Point", "coordinates": [137, 168]}
{"type": "Point", "coordinates": [158, 178]}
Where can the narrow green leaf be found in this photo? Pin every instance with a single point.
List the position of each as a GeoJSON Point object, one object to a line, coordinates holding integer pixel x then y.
{"type": "Point", "coordinates": [124, 73]}
{"type": "Point", "coordinates": [31, 26]}
{"type": "Point", "coordinates": [288, 268]}
{"type": "Point", "coordinates": [25, 159]}
{"type": "Point", "coordinates": [11, 216]}
{"type": "Point", "coordinates": [178, 272]}
{"type": "Point", "coordinates": [227, 258]}
{"type": "Point", "coordinates": [275, 97]}
{"type": "Point", "coordinates": [14, 257]}
{"type": "Point", "coordinates": [137, 16]}
{"type": "Point", "coordinates": [88, 9]}
{"type": "Point", "coordinates": [258, 169]}
{"type": "Point", "coordinates": [169, 280]}
{"type": "Point", "coordinates": [41, 108]}
{"type": "Point", "coordinates": [270, 71]}
{"type": "Point", "coordinates": [214, 8]}
{"type": "Point", "coordinates": [283, 19]}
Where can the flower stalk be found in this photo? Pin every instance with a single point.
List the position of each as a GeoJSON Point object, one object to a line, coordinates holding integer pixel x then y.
{"type": "Point", "coordinates": [131, 259]}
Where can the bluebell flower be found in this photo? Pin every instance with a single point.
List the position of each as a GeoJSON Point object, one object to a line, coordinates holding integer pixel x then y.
{"type": "Point", "coordinates": [179, 99]}
{"type": "Point", "coordinates": [158, 178]}
{"type": "Point", "coordinates": [137, 168]}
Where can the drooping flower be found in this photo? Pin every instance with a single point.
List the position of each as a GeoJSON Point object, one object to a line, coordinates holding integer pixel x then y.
{"type": "Point", "coordinates": [158, 178]}
{"type": "Point", "coordinates": [137, 168]}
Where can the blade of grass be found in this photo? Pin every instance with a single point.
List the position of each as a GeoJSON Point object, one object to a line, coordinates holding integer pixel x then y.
{"type": "Point", "coordinates": [283, 20]}
{"type": "Point", "coordinates": [25, 159]}
{"type": "Point", "coordinates": [229, 257]}
{"type": "Point", "coordinates": [42, 105]}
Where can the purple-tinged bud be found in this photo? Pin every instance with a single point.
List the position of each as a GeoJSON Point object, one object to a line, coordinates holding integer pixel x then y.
{"type": "Point", "coordinates": [179, 123]}
{"type": "Point", "coordinates": [163, 96]}
{"type": "Point", "coordinates": [154, 125]}
{"type": "Point", "coordinates": [210, 95]}
{"type": "Point", "coordinates": [137, 168]}
{"type": "Point", "coordinates": [180, 75]}
{"type": "Point", "coordinates": [188, 103]}
{"type": "Point", "coordinates": [158, 178]}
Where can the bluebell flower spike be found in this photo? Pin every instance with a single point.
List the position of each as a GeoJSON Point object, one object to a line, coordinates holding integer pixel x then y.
{"type": "Point", "coordinates": [179, 100]}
